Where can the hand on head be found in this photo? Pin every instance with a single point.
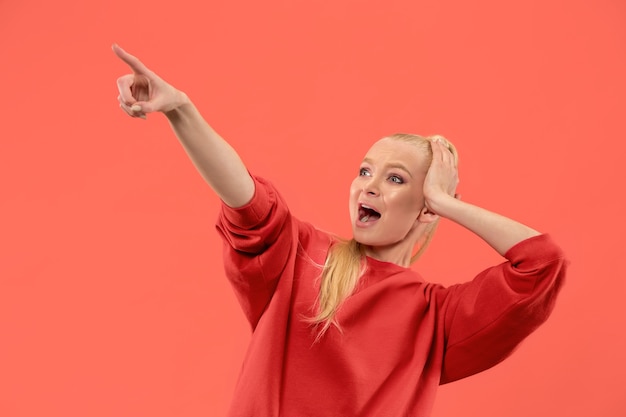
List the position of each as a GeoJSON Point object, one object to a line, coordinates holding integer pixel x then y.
{"type": "Point", "coordinates": [143, 91]}
{"type": "Point", "coordinates": [442, 177]}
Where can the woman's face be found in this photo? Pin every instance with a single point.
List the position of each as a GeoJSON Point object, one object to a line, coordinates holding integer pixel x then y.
{"type": "Point", "coordinates": [386, 197]}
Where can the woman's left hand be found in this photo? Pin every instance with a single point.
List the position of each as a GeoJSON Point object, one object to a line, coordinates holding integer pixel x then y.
{"type": "Point", "coordinates": [442, 177]}
{"type": "Point", "coordinates": [440, 198]}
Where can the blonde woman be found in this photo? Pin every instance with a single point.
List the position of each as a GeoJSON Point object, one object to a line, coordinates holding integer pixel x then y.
{"type": "Point", "coordinates": [345, 328]}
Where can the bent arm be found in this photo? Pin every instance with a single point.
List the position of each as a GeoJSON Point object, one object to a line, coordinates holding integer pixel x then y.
{"type": "Point", "coordinates": [500, 232]}
{"type": "Point", "coordinates": [217, 161]}
{"type": "Point", "coordinates": [487, 318]}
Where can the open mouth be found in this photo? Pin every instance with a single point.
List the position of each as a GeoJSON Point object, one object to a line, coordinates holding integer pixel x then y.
{"type": "Point", "coordinates": [367, 214]}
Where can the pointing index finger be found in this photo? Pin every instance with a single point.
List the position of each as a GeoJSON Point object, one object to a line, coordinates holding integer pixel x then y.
{"type": "Point", "coordinates": [133, 62]}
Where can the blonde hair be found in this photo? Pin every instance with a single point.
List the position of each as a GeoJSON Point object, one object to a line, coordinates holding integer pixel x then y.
{"type": "Point", "coordinates": [345, 262]}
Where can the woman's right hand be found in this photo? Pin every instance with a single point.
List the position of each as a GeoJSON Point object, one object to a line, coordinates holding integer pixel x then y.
{"type": "Point", "coordinates": [143, 91]}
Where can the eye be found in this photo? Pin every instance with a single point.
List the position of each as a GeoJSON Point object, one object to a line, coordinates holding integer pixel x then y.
{"type": "Point", "coordinates": [397, 179]}
{"type": "Point", "coordinates": [364, 171]}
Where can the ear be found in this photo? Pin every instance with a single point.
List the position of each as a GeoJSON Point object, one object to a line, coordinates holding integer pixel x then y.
{"type": "Point", "coordinates": [427, 216]}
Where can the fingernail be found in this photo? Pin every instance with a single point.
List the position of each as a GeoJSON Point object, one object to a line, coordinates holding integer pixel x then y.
{"type": "Point", "coordinates": [142, 116]}
{"type": "Point", "coordinates": [135, 107]}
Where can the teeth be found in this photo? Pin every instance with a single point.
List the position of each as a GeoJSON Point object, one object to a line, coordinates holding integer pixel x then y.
{"type": "Point", "coordinates": [365, 218]}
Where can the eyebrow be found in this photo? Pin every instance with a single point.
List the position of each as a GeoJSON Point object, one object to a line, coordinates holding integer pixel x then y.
{"type": "Point", "coordinates": [391, 165]}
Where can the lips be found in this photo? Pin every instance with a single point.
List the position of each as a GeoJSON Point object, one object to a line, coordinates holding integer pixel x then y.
{"type": "Point", "coordinates": [368, 213]}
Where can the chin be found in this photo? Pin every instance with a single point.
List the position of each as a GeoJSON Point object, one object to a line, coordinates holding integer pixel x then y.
{"type": "Point", "coordinates": [367, 238]}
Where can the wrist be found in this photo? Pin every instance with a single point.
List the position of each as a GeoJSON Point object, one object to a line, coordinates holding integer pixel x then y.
{"type": "Point", "coordinates": [179, 105]}
{"type": "Point", "coordinates": [443, 205]}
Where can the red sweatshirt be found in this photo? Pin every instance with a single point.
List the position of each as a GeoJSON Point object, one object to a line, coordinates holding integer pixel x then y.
{"type": "Point", "coordinates": [401, 336]}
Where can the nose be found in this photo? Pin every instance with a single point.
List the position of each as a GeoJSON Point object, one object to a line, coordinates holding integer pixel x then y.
{"type": "Point", "coordinates": [371, 186]}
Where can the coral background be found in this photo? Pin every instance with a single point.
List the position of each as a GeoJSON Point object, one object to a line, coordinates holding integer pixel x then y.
{"type": "Point", "coordinates": [112, 295]}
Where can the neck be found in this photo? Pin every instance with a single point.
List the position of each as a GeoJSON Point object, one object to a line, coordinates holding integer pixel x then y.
{"type": "Point", "coordinates": [399, 254]}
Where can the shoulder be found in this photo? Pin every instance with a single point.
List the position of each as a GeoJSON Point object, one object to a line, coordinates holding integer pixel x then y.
{"type": "Point", "coordinates": [314, 242]}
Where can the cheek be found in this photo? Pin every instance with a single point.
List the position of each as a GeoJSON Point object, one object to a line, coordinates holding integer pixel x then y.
{"type": "Point", "coordinates": [404, 203]}
{"type": "Point", "coordinates": [354, 189]}
{"type": "Point", "coordinates": [354, 194]}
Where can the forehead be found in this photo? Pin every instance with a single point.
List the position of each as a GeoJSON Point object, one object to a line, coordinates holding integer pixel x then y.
{"type": "Point", "coordinates": [397, 151]}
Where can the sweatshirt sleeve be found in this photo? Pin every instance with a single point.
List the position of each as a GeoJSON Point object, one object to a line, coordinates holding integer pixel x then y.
{"type": "Point", "coordinates": [257, 244]}
{"type": "Point", "coordinates": [487, 318]}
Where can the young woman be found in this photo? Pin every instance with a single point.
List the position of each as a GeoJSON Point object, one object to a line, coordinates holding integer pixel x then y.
{"type": "Point", "coordinates": [345, 328]}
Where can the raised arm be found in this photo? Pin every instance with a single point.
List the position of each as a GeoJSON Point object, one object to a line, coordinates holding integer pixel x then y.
{"type": "Point", "coordinates": [498, 231]}
{"type": "Point", "coordinates": [144, 92]}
